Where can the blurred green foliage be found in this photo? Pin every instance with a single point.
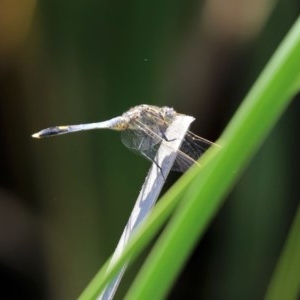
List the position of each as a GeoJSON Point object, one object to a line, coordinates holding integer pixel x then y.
{"type": "Point", "coordinates": [90, 61]}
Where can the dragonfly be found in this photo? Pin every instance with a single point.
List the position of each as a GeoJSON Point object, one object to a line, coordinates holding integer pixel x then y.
{"type": "Point", "coordinates": [143, 129]}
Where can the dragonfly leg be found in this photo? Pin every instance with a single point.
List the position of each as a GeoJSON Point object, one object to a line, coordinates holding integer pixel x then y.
{"type": "Point", "coordinates": [165, 138]}
{"type": "Point", "coordinates": [160, 169]}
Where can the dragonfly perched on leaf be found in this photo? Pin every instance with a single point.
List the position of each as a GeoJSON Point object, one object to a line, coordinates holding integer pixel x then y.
{"type": "Point", "coordinates": [143, 130]}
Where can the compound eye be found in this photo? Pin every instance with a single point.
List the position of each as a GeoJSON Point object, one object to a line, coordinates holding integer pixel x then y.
{"type": "Point", "coordinates": [168, 111]}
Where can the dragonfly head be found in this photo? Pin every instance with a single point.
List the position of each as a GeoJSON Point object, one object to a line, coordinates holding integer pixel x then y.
{"type": "Point", "coordinates": [168, 112]}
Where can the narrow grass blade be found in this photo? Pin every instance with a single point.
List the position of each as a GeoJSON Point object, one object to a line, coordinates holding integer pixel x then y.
{"type": "Point", "coordinates": [259, 112]}
{"type": "Point", "coordinates": [285, 283]}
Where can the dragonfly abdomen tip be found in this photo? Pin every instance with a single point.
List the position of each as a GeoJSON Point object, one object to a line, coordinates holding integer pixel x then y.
{"type": "Point", "coordinates": [51, 131]}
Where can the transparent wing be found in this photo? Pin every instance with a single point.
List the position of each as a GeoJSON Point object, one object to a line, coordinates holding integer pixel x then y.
{"type": "Point", "coordinates": [141, 136]}
{"type": "Point", "coordinates": [147, 134]}
{"type": "Point", "coordinates": [141, 142]}
{"type": "Point", "coordinates": [191, 149]}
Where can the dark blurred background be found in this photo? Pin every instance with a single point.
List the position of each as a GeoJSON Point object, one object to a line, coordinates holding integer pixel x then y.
{"type": "Point", "coordinates": [64, 201]}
